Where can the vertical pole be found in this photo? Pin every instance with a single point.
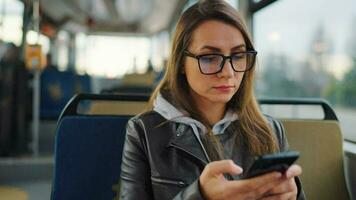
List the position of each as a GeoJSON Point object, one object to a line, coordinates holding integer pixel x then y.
{"type": "Point", "coordinates": [36, 86]}
{"type": "Point", "coordinates": [72, 51]}
{"type": "Point", "coordinates": [36, 112]}
{"type": "Point", "coordinates": [25, 24]}
{"type": "Point", "coordinates": [53, 51]}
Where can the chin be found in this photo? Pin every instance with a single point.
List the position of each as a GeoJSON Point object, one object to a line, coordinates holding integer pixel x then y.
{"type": "Point", "coordinates": [221, 98]}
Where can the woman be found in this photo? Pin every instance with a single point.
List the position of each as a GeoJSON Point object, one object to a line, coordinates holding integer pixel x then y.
{"type": "Point", "coordinates": [204, 125]}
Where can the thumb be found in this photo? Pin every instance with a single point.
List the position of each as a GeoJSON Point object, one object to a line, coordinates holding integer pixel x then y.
{"type": "Point", "coordinates": [294, 170]}
{"type": "Point", "coordinates": [222, 167]}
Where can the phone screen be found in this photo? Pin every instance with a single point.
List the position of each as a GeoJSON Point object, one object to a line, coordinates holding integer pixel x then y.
{"type": "Point", "coordinates": [272, 162]}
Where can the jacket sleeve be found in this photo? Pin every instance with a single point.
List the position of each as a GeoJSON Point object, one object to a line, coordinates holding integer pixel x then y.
{"type": "Point", "coordinates": [283, 146]}
{"type": "Point", "coordinates": [135, 171]}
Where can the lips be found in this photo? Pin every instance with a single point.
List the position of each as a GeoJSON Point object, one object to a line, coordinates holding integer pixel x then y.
{"type": "Point", "coordinates": [223, 87]}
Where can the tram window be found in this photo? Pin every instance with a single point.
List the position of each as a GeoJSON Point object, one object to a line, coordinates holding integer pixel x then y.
{"type": "Point", "coordinates": [305, 51]}
{"type": "Point", "coordinates": [33, 37]}
{"type": "Point", "coordinates": [113, 56]}
{"type": "Point", "coordinates": [62, 44]}
{"type": "Point", "coordinates": [11, 21]}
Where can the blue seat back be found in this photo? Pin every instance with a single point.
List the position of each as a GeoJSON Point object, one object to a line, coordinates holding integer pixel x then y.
{"type": "Point", "coordinates": [88, 150]}
{"type": "Point", "coordinates": [57, 88]}
{"type": "Point", "coordinates": [88, 153]}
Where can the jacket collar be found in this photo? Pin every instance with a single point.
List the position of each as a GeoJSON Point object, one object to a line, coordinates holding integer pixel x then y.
{"type": "Point", "coordinates": [185, 138]}
{"type": "Point", "coordinates": [170, 112]}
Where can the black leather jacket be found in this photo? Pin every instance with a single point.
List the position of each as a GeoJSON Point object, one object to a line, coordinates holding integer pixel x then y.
{"type": "Point", "coordinates": [163, 159]}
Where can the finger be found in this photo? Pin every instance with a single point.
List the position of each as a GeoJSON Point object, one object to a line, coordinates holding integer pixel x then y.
{"type": "Point", "coordinates": [223, 166]}
{"type": "Point", "coordinates": [294, 170]}
{"type": "Point", "coordinates": [266, 178]}
{"type": "Point", "coordinates": [256, 187]}
{"type": "Point", "coordinates": [284, 196]}
{"type": "Point", "coordinates": [288, 185]}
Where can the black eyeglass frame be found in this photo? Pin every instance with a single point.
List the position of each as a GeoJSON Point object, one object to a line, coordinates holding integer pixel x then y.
{"type": "Point", "coordinates": [253, 52]}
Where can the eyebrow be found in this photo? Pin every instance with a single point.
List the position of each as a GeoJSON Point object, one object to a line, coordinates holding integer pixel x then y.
{"type": "Point", "coordinates": [240, 46]}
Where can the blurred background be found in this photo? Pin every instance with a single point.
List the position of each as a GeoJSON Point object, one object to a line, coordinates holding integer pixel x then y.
{"type": "Point", "coordinates": [306, 48]}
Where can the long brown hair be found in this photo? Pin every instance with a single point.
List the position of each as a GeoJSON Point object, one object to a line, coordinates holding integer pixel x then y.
{"type": "Point", "coordinates": [253, 127]}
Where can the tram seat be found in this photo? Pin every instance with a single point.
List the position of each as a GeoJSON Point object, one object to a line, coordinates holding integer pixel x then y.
{"type": "Point", "coordinates": [88, 151]}
{"type": "Point", "coordinates": [57, 88]}
{"type": "Point", "coordinates": [320, 147]}
{"type": "Point", "coordinates": [134, 84]}
{"type": "Point", "coordinates": [320, 144]}
{"type": "Point", "coordinates": [83, 84]}
{"type": "Point", "coordinates": [55, 92]}
{"type": "Point", "coordinates": [88, 157]}
{"type": "Point", "coordinates": [89, 148]}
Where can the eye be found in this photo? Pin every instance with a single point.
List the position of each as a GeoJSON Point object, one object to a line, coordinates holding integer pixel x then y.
{"type": "Point", "coordinates": [238, 56]}
{"type": "Point", "coordinates": [210, 58]}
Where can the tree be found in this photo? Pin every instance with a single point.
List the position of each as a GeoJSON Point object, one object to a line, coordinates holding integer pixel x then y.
{"type": "Point", "coordinates": [276, 80]}
{"type": "Point", "coordinates": [348, 84]}
{"type": "Point", "coordinates": [348, 89]}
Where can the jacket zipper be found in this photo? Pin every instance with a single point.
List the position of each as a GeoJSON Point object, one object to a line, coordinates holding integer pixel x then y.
{"type": "Point", "coordinates": [189, 153]}
{"type": "Point", "coordinates": [165, 181]}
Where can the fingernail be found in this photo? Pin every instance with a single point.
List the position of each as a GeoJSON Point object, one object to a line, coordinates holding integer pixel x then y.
{"type": "Point", "coordinates": [238, 168]}
{"type": "Point", "coordinates": [278, 175]}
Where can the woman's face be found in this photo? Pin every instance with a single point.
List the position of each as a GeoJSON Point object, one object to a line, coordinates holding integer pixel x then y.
{"type": "Point", "coordinates": [214, 37]}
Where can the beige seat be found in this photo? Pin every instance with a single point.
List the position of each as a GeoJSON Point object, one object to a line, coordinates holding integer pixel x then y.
{"type": "Point", "coordinates": [117, 107]}
{"type": "Point", "coordinates": [320, 147]}
{"type": "Point", "coordinates": [12, 193]}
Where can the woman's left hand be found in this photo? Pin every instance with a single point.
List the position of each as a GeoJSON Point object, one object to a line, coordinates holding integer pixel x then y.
{"type": "Point", "coordinates": [287, 189]}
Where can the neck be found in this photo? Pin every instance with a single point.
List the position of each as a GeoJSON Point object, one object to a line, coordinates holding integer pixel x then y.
{"type": "Point", "coordinates": [212, 112]}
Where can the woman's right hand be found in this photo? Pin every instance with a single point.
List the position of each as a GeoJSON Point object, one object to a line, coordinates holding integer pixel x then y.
{"type": "Point", "coordinates": [213, 184]}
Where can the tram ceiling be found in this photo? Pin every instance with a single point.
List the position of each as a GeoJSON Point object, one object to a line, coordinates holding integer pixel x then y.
{"type": "Point", "coordinates": [141, 17]}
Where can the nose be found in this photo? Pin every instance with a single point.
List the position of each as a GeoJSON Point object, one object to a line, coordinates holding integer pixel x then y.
{"type": "Point", "coordinates": [226, 70]}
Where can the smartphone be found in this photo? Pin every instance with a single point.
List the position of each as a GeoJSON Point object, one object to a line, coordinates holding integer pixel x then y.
{"type": "Point", "coordinates": [272, 162]}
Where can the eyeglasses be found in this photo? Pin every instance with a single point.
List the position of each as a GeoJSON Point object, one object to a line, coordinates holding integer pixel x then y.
{"type": "Point", "coordinates": [214, 63]}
